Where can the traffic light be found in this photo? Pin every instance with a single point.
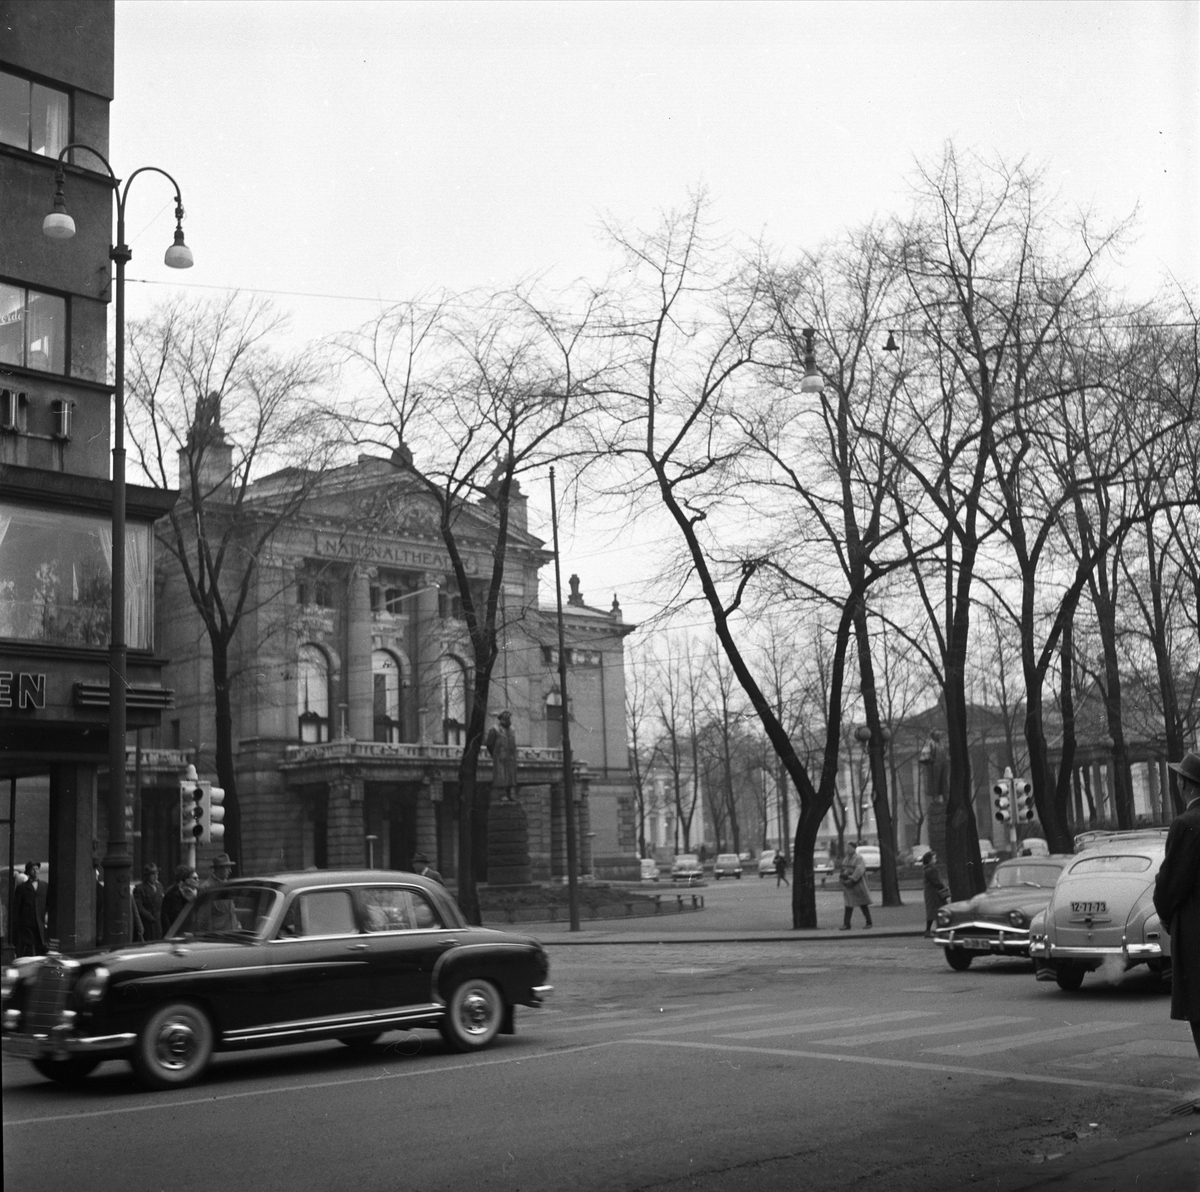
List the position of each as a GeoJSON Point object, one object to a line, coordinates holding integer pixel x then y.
{"type": "Point", "coordinates": [1002, 799]}
{"type": "Point", "coordinates": [193, 815]}
{"type": "Point", "coordinates": [1023, 799]}
{"type": "Point", "coordinates": [216, 814]}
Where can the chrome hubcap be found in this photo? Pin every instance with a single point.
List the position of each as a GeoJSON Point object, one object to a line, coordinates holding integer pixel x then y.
{"type": "Point", "coordinates": [475, 1013]}
{"type": "Point", "coordinates": [176, 1045]}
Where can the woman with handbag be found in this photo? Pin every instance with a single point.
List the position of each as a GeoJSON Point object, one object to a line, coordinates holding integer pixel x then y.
{"type": "Point", "coordinates": [935, 890]}
{"type": "Point", "coordinates": [854, 885]}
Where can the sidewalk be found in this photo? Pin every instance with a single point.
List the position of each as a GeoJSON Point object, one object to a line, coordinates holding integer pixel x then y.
{"type": "Point", "coordinates": [718, 923]}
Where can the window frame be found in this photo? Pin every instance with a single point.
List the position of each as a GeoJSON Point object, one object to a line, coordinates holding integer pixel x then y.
{"type": "Point", "coordinates": [65, 298]}
{"type": "Point", "coordinates": [32, 81]}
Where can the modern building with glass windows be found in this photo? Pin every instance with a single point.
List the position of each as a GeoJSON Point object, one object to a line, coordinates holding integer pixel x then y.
{"type": "Point", "coordinates": [56, 83]}
{"type": "Point", "coordinates": [353, 676]}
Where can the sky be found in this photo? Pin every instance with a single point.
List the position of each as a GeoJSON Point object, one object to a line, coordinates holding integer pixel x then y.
{"type": "Point", "coordinates": [342, 155]}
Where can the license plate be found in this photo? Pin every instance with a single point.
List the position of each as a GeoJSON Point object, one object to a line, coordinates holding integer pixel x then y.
{"type": "Point", "coordinates": [975, 945]}
{"type": "Point", "coordinates": [1089, 908]}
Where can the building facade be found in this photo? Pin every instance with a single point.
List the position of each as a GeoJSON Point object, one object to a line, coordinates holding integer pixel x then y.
{"type": "Point", "coordinates": [56, 84]}
{"type": "Point", "coordinates": [352, 676]}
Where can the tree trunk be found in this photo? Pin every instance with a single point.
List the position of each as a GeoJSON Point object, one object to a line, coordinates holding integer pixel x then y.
{"type": "Point", "coordinates": [877, 755]}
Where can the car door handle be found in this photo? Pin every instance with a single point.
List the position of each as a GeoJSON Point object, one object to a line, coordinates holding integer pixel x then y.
{"type": "Point", "coordinates": [357, 947]}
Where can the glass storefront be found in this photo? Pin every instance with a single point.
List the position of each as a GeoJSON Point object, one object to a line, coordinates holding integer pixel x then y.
{"type": "Point", "coordinates": [56, 578]}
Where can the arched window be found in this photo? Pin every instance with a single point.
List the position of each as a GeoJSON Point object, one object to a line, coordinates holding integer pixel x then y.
{"type": "Point", "coordinates": [312, 694]}
{"type": "Point", "coordinates": [454, 701]}
{"type": "Point", "coordinates": [385, 675]}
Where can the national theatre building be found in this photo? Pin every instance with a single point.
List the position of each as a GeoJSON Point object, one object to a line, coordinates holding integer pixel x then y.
{"type": "Point", "coordinates": [351, 676]}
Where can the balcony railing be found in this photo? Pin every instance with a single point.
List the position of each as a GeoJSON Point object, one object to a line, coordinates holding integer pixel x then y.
{"type": "Point", "coordinates": [413, 751]}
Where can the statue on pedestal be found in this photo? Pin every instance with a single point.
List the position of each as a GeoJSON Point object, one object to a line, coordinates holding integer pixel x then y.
{"type": "Point", "coordinates": [502, 745]}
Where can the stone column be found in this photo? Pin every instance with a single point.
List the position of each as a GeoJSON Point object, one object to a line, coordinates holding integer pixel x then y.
{"type": "Point", "coordinates": [345, 827]}
{"type": "Point", "coordinates": [426, 697]}
{"type": "Point", "coordinates": [558, 832]}
{"type": "Point", "coordinates": [360, 691]}
{"type": "Point", "coordinates": [427, 838]}
{"type": "Point", "coordinates": [72, 890]}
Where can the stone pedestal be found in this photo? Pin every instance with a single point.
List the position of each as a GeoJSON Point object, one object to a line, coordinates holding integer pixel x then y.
{"type": "Point", "coordinates": [508, 845]}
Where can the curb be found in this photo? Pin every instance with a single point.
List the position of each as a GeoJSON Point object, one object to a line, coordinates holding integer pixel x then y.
{"type": "Point", "coordinates": [797, 936]}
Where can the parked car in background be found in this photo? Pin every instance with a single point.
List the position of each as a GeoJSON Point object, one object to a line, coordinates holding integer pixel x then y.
{"type": "Point", "coordinates": [987, 850]}
{"type": "Point", "coordinates": [822, 865]}
{"type": "Point", "coordinates": [687, 868]}
{"type": "Point", "coordinates": [1033, 846]}
{"type": "Point", "coordinates": [997, 922]}
{"type": "Point", "coordinates": [870, 856]}
{"type": "Point", "coordinates": [649, 869]}
{"type": "Point", "coordinates": [285, 959]}
{"type": "Point", "coordinates": [1102, 910]}
{"type": "Point", "coordinates": [727, 865]}
{"type": "Point", "coordinates": [766, 862]}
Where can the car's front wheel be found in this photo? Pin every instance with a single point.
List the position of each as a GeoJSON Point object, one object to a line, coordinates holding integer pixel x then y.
{"type": "Point", "coordinates": [69, 1071]}
{"type": "Point", "coordinates": [1069, 976]}
{"type": "Point", "coordinates": [174, 1046]}
{"type": "Point", "coordinates": [959, 959]}
{"type": "Point", "coordinates": [474, 1016]}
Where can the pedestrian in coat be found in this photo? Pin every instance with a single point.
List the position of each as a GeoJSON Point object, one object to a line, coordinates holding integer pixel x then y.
{"type": "Point", "coordinates": [179, 894]}
{"type": "Point", "coordinates": [854, 886]}
{"type": "Point", "coordinates": [780, 870]}
{"type": "Point", "coordinates": [148, 902]}
{"type": "Point", "coordinates": [1177, 897]}
{"type": "Point", "coordinates": [935, 889]}
{"type": "Point", "coordinates": [29, 913]}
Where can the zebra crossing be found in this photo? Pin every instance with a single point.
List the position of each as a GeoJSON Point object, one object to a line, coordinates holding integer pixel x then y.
{"type": "Point", "coordinates": [916, 1034]}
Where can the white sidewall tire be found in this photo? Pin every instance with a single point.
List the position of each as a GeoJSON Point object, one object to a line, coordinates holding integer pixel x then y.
{"type": "Point", "coordinates": [474, 1015]}
{"type": "Point", "coordinates": [174, 1046]}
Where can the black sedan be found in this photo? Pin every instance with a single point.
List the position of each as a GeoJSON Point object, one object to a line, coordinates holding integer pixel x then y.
{"type": "Point", "coordinates": [274, 960]}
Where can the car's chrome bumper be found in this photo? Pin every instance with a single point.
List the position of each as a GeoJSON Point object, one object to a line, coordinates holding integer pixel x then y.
{"type": "Point", "coordinates": [1040, 948]}
{"type": "Point", "coordinates": [985, 937]}
{"type": "Point", "coordinates": [541, 992]}
{"type": "Point", "coordinates": [60, 1043]}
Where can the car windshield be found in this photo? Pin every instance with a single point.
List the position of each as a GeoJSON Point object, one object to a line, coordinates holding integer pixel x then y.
{"type": "Point", "coordinates": [687, 859]}
{"type": "Point", "coordinates": [232, 912]}
{"type": "Point", "coordinates": [727, 859]}
{"type": "Point", "coordinates": [1025, 874]}
{"type": "Point", "coordinates": [1113, 863]}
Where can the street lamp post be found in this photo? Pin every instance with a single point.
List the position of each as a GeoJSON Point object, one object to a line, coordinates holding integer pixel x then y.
{"type": "Point", "coordinates": [58, 225]}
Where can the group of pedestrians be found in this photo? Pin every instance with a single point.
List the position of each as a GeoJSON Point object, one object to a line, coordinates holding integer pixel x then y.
{"type": "Point", "coordinates": [155, 909]}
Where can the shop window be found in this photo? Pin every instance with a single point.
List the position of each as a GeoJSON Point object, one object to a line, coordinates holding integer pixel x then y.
{"type": "Point", "coordinates": [33, 329]}
{"type": "Point", "coordinates": [312, 702]}
{"type": "Point", "coordinates": [33, 116]}
{"type": "Point", "coordinates": [56, 578]}
{"type": "Point", "coordinates": [386, 680]}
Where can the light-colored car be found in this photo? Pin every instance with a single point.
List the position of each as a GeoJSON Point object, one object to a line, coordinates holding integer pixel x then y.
{"type": "Point", "coordinates": [649, 869]}
{"type": "Point", "coordinates": [687, 868]}
{"type": "Point", "coordinates": [997, 922]}
{"type": "Point", "coordinates": [1034, 846]}
{"type": "Point", "coordinates": [766, 862]}
{"type": "Point", "coordinates": [1101, 912]}
{"type": "Point", "coordinates": [870, 856]}
{"type": "Point", "coordinates": [727, 865]}
{"type": "Point", "coordinates": [987, 850]}
{"type": "Point", "coordinates": [823, 866]}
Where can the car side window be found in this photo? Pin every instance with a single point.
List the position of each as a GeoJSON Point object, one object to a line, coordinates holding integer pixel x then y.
{"type": "Point", "coordinates": [393, 908]}
{"type": "Point", "coordinates": [319, 912]}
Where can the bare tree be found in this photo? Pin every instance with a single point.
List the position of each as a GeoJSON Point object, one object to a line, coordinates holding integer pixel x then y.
{"type": "Point", "coordinates": [474, 396]}
{"type": "Point", "coordinates": [213, 408]}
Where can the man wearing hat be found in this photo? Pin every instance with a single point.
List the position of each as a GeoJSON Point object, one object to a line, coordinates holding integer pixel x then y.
{"type": "Point", "coordinates": [422, 867]}
{"type": "Point", "coordinates": [1177, 896]}
{"type": "Point", "coordinates": [219, 915]}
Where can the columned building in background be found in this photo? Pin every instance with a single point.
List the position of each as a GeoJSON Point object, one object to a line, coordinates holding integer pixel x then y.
{"type": "Point", "coordinates": [56, 83]}
{"type": "Point", "coordinates": [353, 676]}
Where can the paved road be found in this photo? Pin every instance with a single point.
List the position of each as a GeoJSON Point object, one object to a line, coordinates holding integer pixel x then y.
{"type": "Point", "coordinates": [712, 1066]}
